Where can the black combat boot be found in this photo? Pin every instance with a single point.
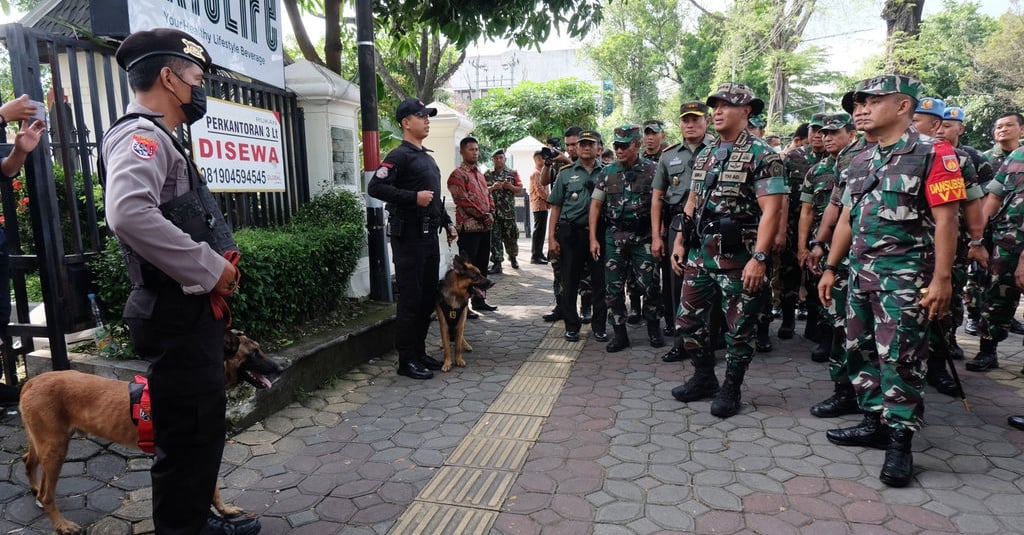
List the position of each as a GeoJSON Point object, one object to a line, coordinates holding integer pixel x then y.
{"type": "Point", "coordinates": [620, 341]}
{"type": "Point", "coordinates": [821, 351]}
{"type": "Point", "coordinates": [703, 383]}
{"type": "Point", "coordinates": [811, 331]}
{"type": "Point", "coordinates": [938, 376]}
{"type": "Point", "coordinates": [636, 316]}
{"type": "Point", "coordinates": [677, 353]}
{"type": "Point", "coordinates": [869, 434]}
{"type": "Point", "coordinates": [788, 327]}
{"type": "Point", "coordinates": [727, 401]}
{"type": "Point", "coordinates": [955, 351]}
{"type": "Point", "coordinates": [843, 401]}
{"type": "Point", "coordinates": [986, 359]}
{"type": "Point", "coordinates": [654, 333]}
{"type": "Point", "coordinates": [899, 460]}
{"type": "Point", "coordinates": [763, 342]}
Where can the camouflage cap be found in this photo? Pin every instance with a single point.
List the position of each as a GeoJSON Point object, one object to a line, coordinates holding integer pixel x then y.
{"type": "Point", "coordinates": [654, 125]}
{"type": "Point", "coordinates": [836, 121]}
{"type": "Point", "coordinates": [931, 106]}
{"type": "Point", "coordinates": [888, 84]}
{"type": "Point", "coordinates": [756, 122]}
{"type": "Point", "coordinates": [590, 135]}
{"type": "Point", "coordinates": [736, 95]}
{"type": "Point", "coordinates": [848, 99]}
{"type": "Point", "coordinates": [693, 107]}
{"type": "Point", "coordinates": [817, 120]}
{"type": "Point", "coordinates": [953, 113]}
{"type": "Point", "coordinates": [627, 133]}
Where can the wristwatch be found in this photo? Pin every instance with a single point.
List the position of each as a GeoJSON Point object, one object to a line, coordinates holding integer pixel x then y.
{"type": "Point", "coordinates": [830, 267]}
{"type": "Point", "coordinates": [976, 243]}
{"type": "Point", "coordinates": [760, 256]}
{"type": "Point", "coordinates": [816, 243]}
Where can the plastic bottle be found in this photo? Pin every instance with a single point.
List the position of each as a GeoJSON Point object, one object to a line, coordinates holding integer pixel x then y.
{"type": "Point", "coordinates": [101, 333]}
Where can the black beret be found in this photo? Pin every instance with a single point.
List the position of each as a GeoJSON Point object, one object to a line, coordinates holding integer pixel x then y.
{"type": "Point", "coordinates": [161, 42]}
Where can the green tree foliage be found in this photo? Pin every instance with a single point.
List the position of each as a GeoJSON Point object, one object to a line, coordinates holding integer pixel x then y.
{"type": "Point", "coordinates": [701, 49]}
{"type": "Point", "coordinates": [993, 85]}
{"type": "Point", "coordinates": [504, 116]}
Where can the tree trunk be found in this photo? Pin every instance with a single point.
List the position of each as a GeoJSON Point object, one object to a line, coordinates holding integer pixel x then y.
{"type": "Point", "coordinates": [787, 31]}
{"type": "Point", "coordinates": [301, 36]}
{"type": "Point", "coordinates": [902, 23]}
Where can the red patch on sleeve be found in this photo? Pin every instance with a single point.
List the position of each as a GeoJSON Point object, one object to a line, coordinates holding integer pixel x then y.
{"type": "Point", "coordinates": [945, 182]}
{"type": "Point", "coordinates": [144, 147]}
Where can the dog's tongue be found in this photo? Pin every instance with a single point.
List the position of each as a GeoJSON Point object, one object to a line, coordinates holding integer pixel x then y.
{"type": "Point", "coordinates": [263, 380]}
{"type": "Point", "coordinates": [481, 293]}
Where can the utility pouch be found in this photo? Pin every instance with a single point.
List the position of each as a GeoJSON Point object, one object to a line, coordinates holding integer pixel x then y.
{"type": "Point", "coordinates": [732, 235]}
{"type": "Point", "coordinates": [395, 227]}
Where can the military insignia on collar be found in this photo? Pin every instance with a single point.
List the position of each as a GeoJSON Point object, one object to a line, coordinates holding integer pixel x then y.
{"type": "Point", "coordinates": [950, 163]}
{"type": "Point", "coordinates": [193, 49]}
{"type": "Point", "coordinates": [144, 147]}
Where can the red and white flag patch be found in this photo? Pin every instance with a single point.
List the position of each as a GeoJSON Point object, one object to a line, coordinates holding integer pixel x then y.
{"type": "Point", "coordinates": [143, 147]}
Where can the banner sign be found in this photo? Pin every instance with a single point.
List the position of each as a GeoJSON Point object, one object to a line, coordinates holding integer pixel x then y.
{"type": "Point", "coordinates": [241, 35]}
{"type": "Point", "coordinates": [239, 148]}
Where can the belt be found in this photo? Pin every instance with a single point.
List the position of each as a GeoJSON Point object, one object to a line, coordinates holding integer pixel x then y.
{"type": "Point", "coordinates": [584, 226]}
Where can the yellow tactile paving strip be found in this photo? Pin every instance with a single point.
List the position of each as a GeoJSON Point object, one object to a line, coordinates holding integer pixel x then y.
{"type": "Point", "coordinates": [466, 494]}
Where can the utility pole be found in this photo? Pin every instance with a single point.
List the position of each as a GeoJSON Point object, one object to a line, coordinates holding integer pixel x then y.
{"type": "Point", "coordinates": [380, 270]}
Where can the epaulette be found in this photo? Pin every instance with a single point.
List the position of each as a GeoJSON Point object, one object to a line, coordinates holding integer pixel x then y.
{"type": "Point", "coordinates": [672, 146]}
{"type": "Point", "coordinates": [559, 170]}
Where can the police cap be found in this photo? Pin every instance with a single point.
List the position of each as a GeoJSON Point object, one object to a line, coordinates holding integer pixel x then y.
{"type": "Point", "coordinates": [161, 42]}
{"type": "Point", "coordinates": [413, 106]}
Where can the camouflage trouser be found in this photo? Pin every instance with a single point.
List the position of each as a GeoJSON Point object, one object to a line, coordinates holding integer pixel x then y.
{"type": "Point", "coordinates": [999, 300]}
{"type": "Point", "coordinates": [504, 231]}
{"type": "Point", "coordinates": [949, 323]}
{"type": "Point", "coordinates": [885, 332]}
{"type": "Point", "coordinates": [704, 290]}
{"type": "Point", "coordinates": [625, 257]}
{"type": "Point", "coordinates": [840, 366]}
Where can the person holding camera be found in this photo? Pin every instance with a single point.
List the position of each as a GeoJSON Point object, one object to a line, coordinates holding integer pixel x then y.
{"type": "Point", "coordinates": [504, 184]}
{"type": "Point", "coordinates": [732, 217]}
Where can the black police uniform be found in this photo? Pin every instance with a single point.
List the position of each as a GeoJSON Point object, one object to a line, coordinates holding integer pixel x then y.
{"type": "Point", "coordinates": [414, 246]}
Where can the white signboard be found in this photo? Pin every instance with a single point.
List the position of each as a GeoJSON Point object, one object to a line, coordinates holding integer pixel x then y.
{"type": "Point", "coordinates": [241, 35]}
{"type": "Point", "coordinates": [238, 148]}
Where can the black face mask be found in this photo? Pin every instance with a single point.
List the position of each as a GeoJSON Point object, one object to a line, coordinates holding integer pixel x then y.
{"type": "Point", "coordinates": [195, 109]}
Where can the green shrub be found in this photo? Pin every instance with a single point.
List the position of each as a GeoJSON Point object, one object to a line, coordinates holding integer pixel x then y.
{"type": "Point", "coordinates": [290, 274]}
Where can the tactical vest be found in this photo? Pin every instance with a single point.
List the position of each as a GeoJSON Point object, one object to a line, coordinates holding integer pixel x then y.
{"type": "Point", "coordinates": [628, 193]}
{"type": "Point", "coordinates": [710, 175]}
{"type": "Point", "coordinates": [197, 213]}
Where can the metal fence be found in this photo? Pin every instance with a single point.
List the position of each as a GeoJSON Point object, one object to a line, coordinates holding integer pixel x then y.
{"type": "Point", "coordinates": [87, 93]}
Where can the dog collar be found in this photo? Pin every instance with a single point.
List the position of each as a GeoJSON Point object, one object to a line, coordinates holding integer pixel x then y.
{"type": "Point", "coordinates": [138, 390]}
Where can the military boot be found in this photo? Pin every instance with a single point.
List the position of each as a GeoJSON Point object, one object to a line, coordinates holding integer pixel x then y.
{"type": "Point", "coordinates": [654, 333]}
{"type": "Point", "coordinates": [869, 434]}
{"type": "Point", "coordinates": [677, 353]}
{"type": "Point", "coordinates": [619, 342]}
{"type": "Point", "coordinates": [938, 376]}
{"type": "Point", "coordinates": [821, 351]}
{"type": "Point", "coordinates": [703, 383]}
{"type": "Point", "coordinates": [811, 331]}
{"type": "Point", "coordinates": [788, 327]}
{"type": "Point", "coordinates": [636, 316]}
{"type": "Point", "coordinates": [898, 467]}
{"type": "Point", "coordinates": [986, 359]}
{"type": "Point", "coordinates": [843, 401]}
{"type": "Point", "coordinates": [727, 401]}
{"type": "Point", "coordinates": [955, 351]}
{"type": "Point", "coordinates": [763, 342]}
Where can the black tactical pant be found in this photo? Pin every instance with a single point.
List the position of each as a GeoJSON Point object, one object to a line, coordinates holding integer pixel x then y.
{"type": "Point", "coordinates": [475, 247]}
{"type": "Point", "coordinates": [575, 260]}
{"type": "Point", "coordinates": [540, 231]}
{"type": "Point", "coordinates": [184, 344]}
{"type": "Point", "coordinates": [417, 260]}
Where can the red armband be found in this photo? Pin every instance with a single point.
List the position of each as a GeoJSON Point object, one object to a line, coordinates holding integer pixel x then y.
{"type": "Point", "coordinates": [945, 182]}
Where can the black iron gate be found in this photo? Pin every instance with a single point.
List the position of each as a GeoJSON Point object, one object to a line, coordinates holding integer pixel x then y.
{"type": "Point", "coordinates": [87, 92]}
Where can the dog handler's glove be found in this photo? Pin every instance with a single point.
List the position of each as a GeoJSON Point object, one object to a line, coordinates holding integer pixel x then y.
{"type": "Point", "coordinates": [218, 304]}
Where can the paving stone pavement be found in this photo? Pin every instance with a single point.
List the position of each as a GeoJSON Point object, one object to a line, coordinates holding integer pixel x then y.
{"type": "Point", "coordinates": [536, 435]}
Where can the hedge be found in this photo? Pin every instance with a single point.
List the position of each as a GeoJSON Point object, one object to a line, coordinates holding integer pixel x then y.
{"type": "Point", "coordinates": [290, 274]}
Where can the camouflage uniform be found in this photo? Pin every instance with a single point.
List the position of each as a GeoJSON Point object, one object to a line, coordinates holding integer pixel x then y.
{"type": "Point", "coordinates": [572, 192]}
{"type": "Point", "coordinates": [505, 231]}
{"type": "Point", "coordinates": [799, 162]}
{"type": "Point", "coordinates": [892, 258]}
{"type": "Point", "coordinates": [999, 300]}
{"type": "Point", "coordinates": [626, 197]}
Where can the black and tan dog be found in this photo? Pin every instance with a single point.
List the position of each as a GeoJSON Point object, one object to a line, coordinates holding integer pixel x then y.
{"type": "Point", "coordinates": [459, 284]}
{"type": "Point", "coordinates": [55, 404]}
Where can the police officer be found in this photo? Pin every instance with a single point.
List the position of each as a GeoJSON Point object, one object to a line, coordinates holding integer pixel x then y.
{"type": "Point", "coordinates": [410, 182]}
{"type": "Point", "coordinates": [623, 198]}
{"type": "Point", "coordinates": [899, 226]}
{"type": "Point", "coordinates": [671, 189]}
{"type": "Point", "coordinates": [504, 184]}
{"type": "Point", "coordinates": [569, 236]}
{"type": "Point", "coordinates": [734, 210]}
{"type": "Point", "coordinates": [173, 273]}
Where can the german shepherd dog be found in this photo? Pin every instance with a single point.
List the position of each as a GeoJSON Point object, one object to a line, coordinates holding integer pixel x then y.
{"type": "Point", "coordinates": [459, 284]}
{"type": "Point", "coordinates": [55, 404]}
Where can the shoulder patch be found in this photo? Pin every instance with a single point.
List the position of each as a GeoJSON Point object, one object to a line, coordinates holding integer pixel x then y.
{"type": "Point", "coordinates": [144, 147]}
{"type": "Point", "coordinates": [382, 171]}
{"type": "Point", "coordinates": [951, 163]}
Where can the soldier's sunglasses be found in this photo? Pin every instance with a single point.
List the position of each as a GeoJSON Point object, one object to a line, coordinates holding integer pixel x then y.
{"type": "Point", "coordinates": [618, 145]}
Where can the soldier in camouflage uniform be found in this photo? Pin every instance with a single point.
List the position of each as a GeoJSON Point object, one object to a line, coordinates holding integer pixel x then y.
{"type": "Point", "coordinates": [928, 119]}
{"type": "Point", "coordinates": [899, 227]}
{"type": "Point", "coordinates": [843, 399]}
{"type": "Point", "coordinates": [799, 162]}
{"type": "Point", "coordinates": [654, 145]}
{"type": "Point", "coordinates": [623, 199]}
{"type": "Point", "coordinates": [504, 184]}
{"type": "Point", "coordinates": [671, 190]}
{"type": "Point", "coordinates": [734, 208]}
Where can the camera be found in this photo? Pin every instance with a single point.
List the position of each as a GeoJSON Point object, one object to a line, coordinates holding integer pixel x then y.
{"type": "Point", "coordinates": [548, 153]}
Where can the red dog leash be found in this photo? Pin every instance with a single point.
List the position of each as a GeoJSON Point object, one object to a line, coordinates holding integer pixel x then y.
{"type": "Point", "coordinates": [217, 302]}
